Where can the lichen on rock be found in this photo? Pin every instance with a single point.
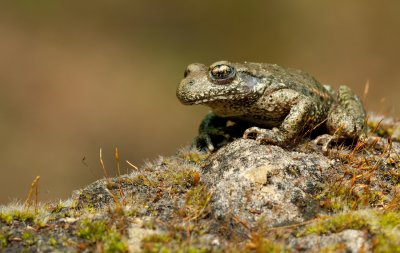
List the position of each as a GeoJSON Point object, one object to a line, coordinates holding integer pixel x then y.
{"type": "Point", "coordinates": [263, 181]}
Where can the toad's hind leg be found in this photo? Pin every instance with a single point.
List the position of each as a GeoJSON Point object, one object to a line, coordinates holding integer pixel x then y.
{"type": "Point", "coordinates": [346, 118]}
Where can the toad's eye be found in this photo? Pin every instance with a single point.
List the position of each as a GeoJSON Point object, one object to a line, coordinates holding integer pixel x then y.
{"type": "Point", "coordinates": [222, 73]}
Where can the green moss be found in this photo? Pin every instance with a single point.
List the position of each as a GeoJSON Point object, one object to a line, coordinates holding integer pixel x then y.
{"type": "Point", "coordinates": [335, 224]}
{"type": "Point", "coordinates": [165, 243]}
{"type": "Point", "coordinates": [142, 180]}
{"type": "Point", "coordinates": [389, 219]}
{"type": "Point", "coordinates": [91, 230]}
{"type": "Point", "coordinates": [379, 129]}
{"type": "Point", "coordinates": [384, 226]}
{"type": "Point", "coordinates": [57, 208]}
{"type": "Point", "coordinates": [28, 237]}
{"type": "Point", "coordinates": [155, 248]}
{"type": "Point", "coordinates": [257, 244]}
{"type": "Point", "coordinates": [381, 225]}
{"type": "Point", "coordinates": [68, 214]}
{"type": "Point", "coordinates": [183, 177]}
{"type": "Point", "coordinates": [158, 238]}
{"type": "Point", "coordinates": [156, 243]}
{"type": "Point", "coordinates": [113, 242]}
{"type": "Point", "coordinates": [269, 246]}
{"type": "Point", "coordinates": [3, 241]}
{"type": "Point", "coordinates": [24, 215]}
{"type": "Point", "coordinates": [194, 156]}
{"type": "Point", "coordinates": [385, 243]}
{"type": "Point", "coordinates": [197, 200]}
{"type": "Point", "coordinates": [6, 218]}
{"type": "Point", "coordinates": [52, 241]}
{"type": "Point", "coordinates": [336, 198]}
{"type": "Point", "coordinates": [99, 231]}
{"type": "Point", "coordinates": [197, 250]}
{"type": "Point", "coordinates": [349, 194]}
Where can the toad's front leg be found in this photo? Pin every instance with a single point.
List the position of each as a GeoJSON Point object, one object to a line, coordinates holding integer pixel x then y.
{"type": "Point", "coordinates": [303, 114]}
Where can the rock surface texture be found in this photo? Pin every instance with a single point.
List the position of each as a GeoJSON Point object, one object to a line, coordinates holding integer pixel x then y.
{"type": "Point", "coordinates": [263, 181]}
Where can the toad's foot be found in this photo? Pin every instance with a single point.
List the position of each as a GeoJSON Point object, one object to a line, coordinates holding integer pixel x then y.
{"type": "Point", "coordinates": [211, 139]}
{"type": "Point", "coordinates": [262, 135]}
{"type": "Point", "coordinates": [325, 140]}
{"type": "Point", "coordinates": [203, 142]}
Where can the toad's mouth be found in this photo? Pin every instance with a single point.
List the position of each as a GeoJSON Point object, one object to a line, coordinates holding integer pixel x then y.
{"type": "Point", "coordinates": [230, 97]}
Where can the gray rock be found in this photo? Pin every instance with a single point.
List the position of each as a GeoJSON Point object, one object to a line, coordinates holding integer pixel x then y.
{"type": "Point", "coordinates": [254, 181]}
{"type": "Point", "coordinates": [348, 241]}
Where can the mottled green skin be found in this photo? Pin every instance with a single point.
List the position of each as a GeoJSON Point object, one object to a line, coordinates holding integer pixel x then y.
{"type": "Point", "coordinates": [280, 103]}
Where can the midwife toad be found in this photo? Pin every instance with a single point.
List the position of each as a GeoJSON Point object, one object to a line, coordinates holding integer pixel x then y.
{"type": "Point", "coordinates": [279, 104]}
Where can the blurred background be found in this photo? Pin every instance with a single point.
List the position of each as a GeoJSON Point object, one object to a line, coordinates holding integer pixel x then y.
{"type": "Point", "coordinates": [77, 76]}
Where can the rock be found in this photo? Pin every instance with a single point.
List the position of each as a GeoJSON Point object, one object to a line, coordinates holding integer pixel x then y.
{"type": "Point", "coordinates": [255, 181]}
{"type": "Point", "coordinates": [243, 197]}
{"type": "Point", "coordinates": [136, 234]}
{"type": "Point", "coordinates": [349, 240]}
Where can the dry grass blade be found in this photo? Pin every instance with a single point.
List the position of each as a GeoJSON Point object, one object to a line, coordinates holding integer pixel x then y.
{"type": "Point", "coordinates": [366, 90]}
{"type": "Point", "coordinates": [116, 156]}
{"type": "Point", "coordinates": [203, 208]}
{"type": "Point", "coordinates": [34, 187]}
{"type": "Point", "coordinates": [132, 165]}
{"type": "Point", "coordinates": [104, 168]}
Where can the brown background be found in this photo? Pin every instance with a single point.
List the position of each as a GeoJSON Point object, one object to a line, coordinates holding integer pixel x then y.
{"type": "Point", "coordinates": [76, 77]}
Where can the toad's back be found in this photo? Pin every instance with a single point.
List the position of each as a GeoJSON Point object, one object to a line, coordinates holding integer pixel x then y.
{"type": "Point", "coordinates": [293, 79]}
